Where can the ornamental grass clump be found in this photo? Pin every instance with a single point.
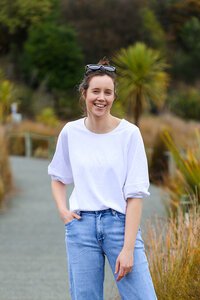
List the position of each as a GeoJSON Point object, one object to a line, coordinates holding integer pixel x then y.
{"type": "Point", "coordinates": [186, 180]}
{"type": "Point", "coordinates": [5, 172]}
{"type": "Point", "coordinates": [174, 255]}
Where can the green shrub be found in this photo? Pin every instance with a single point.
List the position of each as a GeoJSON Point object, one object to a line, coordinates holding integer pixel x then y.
{"type": "Point", "coordinates": [48, 117]}
{"type": "Point", "coordinates": [185, 103]}
{"type": "Point", "coordinates": [52, 56]}
{"type": "Point", "coordinates": [187, 177]}
{"type": "Point", "coordinates": [6, 97]}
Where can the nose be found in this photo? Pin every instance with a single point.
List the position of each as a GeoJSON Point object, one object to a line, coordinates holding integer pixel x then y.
{"type": "Point", "coordinates": [101, 96]}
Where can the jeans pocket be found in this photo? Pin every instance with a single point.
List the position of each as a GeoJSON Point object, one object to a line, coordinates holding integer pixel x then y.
{"type": "Point", "coordinates": [70, 222]}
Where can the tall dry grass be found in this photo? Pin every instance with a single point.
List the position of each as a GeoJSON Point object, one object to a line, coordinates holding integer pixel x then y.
{"type": "Point", "coordinates": [5, 171]}
{"type": "Point", "coordinates": [42, 136]}
{"type": "Point", "coordinates": [183, 132]}
{"type": "Point", "coordinates": [35, 127]}
{"type": "Point", "coordinates": [174, 256]}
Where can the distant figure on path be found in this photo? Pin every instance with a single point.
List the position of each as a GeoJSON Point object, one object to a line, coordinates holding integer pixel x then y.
{"type": "Point", "coordinates": [104, 157]}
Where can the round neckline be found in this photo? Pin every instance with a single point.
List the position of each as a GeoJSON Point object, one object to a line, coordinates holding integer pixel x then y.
{"type": "Point", "coordinates": [105, 133]}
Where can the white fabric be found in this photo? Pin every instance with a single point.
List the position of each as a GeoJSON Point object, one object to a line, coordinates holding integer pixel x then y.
{"type": "Point", "coordinates": [106, 169]}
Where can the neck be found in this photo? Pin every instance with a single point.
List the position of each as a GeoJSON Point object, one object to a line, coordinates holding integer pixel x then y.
{"type": "Point", "coordinates": [101, 125]}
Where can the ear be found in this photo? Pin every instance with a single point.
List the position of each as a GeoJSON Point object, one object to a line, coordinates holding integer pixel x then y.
{"type": "Point", "coordinates": [83, 94]}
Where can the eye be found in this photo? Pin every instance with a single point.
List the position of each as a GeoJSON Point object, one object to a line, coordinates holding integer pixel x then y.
{"type": "Point", "coordinates": [108, 92]}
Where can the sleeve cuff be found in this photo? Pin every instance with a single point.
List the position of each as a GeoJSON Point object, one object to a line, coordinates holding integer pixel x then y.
{"type": "Point", "coordinates": [136, 191]}
{"type": "Point", "coordinates": [58, 177]}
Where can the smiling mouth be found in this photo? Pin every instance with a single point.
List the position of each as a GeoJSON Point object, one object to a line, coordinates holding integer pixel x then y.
{"type": "Point", "coordinates": [100, 105]}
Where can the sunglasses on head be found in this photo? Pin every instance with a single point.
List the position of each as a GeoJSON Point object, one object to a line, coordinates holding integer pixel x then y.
{"type": "Point", "coordinates": [93, 67]}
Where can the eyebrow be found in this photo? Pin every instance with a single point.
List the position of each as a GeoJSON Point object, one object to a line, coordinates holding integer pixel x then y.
{"type": "Point", "coordinates": [96, 88]}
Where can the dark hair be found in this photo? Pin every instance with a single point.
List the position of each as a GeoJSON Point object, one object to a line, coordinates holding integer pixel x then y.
{"type": "Point", "coordinates": [83, 86]}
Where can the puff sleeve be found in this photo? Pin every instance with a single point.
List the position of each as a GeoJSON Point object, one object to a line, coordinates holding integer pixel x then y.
{"type": "Point", "coordinates": [60, 168]}
{"type": "Point", "coordinates": [137, 178]}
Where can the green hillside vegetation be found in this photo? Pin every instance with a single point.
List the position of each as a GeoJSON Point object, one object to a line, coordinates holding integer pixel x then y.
{"type": "Point", "coordinates": [45, 45]}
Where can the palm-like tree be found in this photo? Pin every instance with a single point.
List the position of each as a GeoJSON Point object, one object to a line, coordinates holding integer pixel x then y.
{"type": "Point", "coordinates": [142, 78]}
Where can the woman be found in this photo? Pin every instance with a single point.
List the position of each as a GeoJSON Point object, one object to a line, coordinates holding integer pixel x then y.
{"type": "Point", "coordinates": [104, 157]}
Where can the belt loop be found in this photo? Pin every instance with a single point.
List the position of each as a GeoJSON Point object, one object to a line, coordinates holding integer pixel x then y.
{"type": "Point", "coordinates": [100, 215]}
{"type": "Point", "coordinates": [113, 212]}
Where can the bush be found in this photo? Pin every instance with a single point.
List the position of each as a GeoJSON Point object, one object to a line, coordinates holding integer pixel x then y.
{"type": "Point", "coordinates": [6, 97]}
{"type": "Point", "coordinates": [174, 256]}
{"type": "Point", "coordinates": [185, 103]}
{"type": "Point", "coordinates": [48, 117]}
{"type": "Point", "coordinates": [187, 177]}
{"type": "Point", "coordinates": [52, 55]}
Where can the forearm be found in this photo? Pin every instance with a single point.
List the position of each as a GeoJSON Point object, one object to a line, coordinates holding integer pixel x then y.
{"type": "Point", "coordinates": [59, 194]}
{"type": "Point", "coordinates": [133, 217]}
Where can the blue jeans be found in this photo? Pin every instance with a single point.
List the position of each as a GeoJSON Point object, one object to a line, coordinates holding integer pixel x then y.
{"type": "Point", "coordinates": [88, 240]}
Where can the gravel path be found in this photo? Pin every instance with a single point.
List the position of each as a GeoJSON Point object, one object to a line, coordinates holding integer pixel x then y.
{"type": "Point", "coordinates": [32, 249]}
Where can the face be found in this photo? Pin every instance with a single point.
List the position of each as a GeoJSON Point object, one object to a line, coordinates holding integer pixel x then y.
{"type": "Point", "coordinates": [99, 96]}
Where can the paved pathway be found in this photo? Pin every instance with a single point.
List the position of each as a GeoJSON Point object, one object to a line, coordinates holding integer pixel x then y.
{"type": "Point", "coordinates": [32, 249]}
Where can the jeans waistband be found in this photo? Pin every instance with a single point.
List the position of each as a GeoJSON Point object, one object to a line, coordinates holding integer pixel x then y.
{"type": "Point", "coordinates": [97, 212]}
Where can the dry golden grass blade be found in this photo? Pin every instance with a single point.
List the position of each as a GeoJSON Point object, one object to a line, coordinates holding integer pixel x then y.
{"type": "Point", "coordinates": [174, 255]}
{"type": "Point", "coordinates": [5, 171]}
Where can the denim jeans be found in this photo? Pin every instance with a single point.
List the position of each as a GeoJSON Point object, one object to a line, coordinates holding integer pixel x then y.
{"type": "Point", "coordinates": [88, 240]}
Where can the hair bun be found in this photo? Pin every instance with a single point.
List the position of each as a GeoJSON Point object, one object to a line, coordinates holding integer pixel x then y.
{"type": "Point", "coordinates": [104, 61]}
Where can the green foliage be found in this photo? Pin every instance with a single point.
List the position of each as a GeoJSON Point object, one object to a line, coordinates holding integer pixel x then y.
{"type": "Point", "coordinates": [16, 17]}
{"type": "Point", "coordinates": [190, 36]}
{"type": "Point", "coordinates": [48, 117]}
{"type": "Point", "coordinates": [183, 19]}
{"type": "Point", "coordinates": [23, 13]}
{"type": "Point", "coordinates": [142, 78]}
{"type": "Point", "coordinates": [104, 26]}
{"type": "Point", "coordinates": [66, 104]}
{"type": "Point", "coordinates": [118, 109]}
{"type": "Point", "coordinates": [185, 103]}
{"type": "Point", "coordinates": [29, 30]}
{"type": "Point", "coordinates": [52, 55]}
{"type": "Point", "coordinates": [6, 98]}
{"type": "Point", "coordinates": [26, 101]}
{"type": "Point", "coordinates": [187, 59]}
{"type": "Point", "coordinates": [187, 179]}
{"type": "Point", "coordinates": [179, 13]}
{"type": "Point", "coordinates": [152, 30]}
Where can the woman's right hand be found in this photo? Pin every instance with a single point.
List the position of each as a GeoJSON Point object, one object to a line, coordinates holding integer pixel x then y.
{"type": "Point", "coordinates": [67, 216]}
